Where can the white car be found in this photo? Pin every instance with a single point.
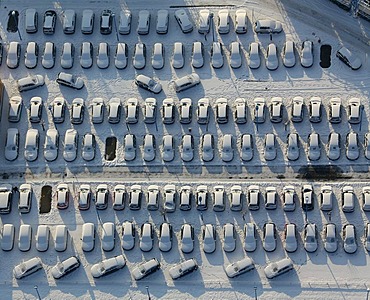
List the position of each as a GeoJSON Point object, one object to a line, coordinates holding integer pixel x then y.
{"type": "Point", "coordinates": [178, 55]}
{"type": "Point", "coordinates": [254, 55]}
{"type": "Point", "coordinates": [114, 110]}
{"type": "Point", "coordinates": [289, 198]}
{"type": "Point", "coordinates": [367, 237]}
{"type": "Point", "coordinates": [335, 110]}
{"type": "Point", "coordinates": [62, 196]}
{"type": "Point", "coordinates": [14, 53]}
{"type": "Point", "coordinates": [132, 111]}
{"type": "Point", "coordinates": [88, 237]}
{"type": "Point", "coordinates": [354, 111]}
{"type": "Point", "coordinates": [186, 82]}
{"type": "Point", "coordinates": [86, 58]}
{"type": "Point", "coordinates": [288, 54]}
{"type": "Point", "coordinates": [48, 58]}
{"type": "Point", "coordinates": [25, 198]}
{"type": "Point", "coordinates": [222, 110]}
{"type": "Point", "coordinates": [25, 237]}
{"type": "Point", "coordinates": [70, 145]}
{"type": "Point", "coordinates": [183, 268]}
{"type": "Point", "coordinates": [145, 268]}
{"type": "Point", "coordinates": [106, 20]}
{"type": "Point", "coordinates": [270, 147]}
{"type": "Point", "coordinates": [349, 238]}
{"type": "Point", "coordinates": [139, 59]}
{"type": "Point", "coordinates": [165, 237]}
{"type": "Point", "coordinates": [69, 21]}
{"type": "Point", "coordinates": [58, 108]}
{"type": "Point", "coordinates": [276, 110]}
{"type": "Point", "coordinates": [197, 58]}
{"type": "Point", "coordinates": [169, 198]}
{"type": "Point", "coordinates": [187, 238]}
{"type": "Point", "coordinates": [148, 83]}
{"type": "Point", "coordinates": [51, 144]}
{"type": "Point", "coordinates": [204, 21]}
{"type": "Point", "coordinates": [352, 146]}
{"type": "Point", "coordinates": [6, 195]}
{"type": "Point", "coordinates": [187, 148]}
{"type": "Point", "coordinates": [229, 238]}
{"type": "Point", "coordinates": [185, 197]}
{"type": "Point", "coordinates": [219, 198]}
{"type": "Point", "coordinates": [310, 237]}
{"type": "Point", "coordinates": [162, 21]}
{"type": "Point", "coordinates": [235, 55]}
{"type": "Point", "coordinates": [290, 233]}
{"type": "Point", "coordinates": [42, 238]}
{"type": "Point", "coordinates": [275, 269]}
{"type": "Point", "coordinates": [223, 21]}
{"type": "Point", "coordinates": [241, 21]}
{"type": "Point", "coordinates": [7, 237]}
{"type": "Point", "coordinates": [108, 266]}
{"type": "Point", "coordinates": [158, 56]}
{"type": "Point", "coordinates": [269, 237]}
{"type": "Point", "coordinates": [84, 197]}
{"type": "Point", "coordinates": [35, 109]}
{"type": "Point", "coordinates": [209, 238]}
{"type": "Point", "coordinates": [259, 110]}
{"type": "Point", "coordinates": [135, 197]}
{"type": "Point", "coordinates": [101, 198]}
{"type": "Point", "coordinates": [239, 267]}
{"type": "Point", "coordinates": [217, 58]}
{"type": "Point", "coordinates": [267, 26]}
{"type": "Point", "coordinates": [70, 80]}
{"type": "Point", "coordinates": [121, 56]}
{"type": "Point", "coordinates": [67, 57]}
{"type": "Point", "coordinates": [315, 108]}
{"type": "Point", "coordinates": [254, 196]}
{"type": "Point", "coordinates": [30, 82]}
{"type": "Point", "coordinates": [366, 198]}
{"type": "Point", "coordinates": [307, 197]}
{"type": "Point", "coordinates": [297, 109]}
{"type": "Point", "coordinates": [119, 197]}
{"type": "Point", "coordinates": [31, 55]}
{"type": "Point", "coordinates": [350, 59]}
{"type": "Point", "coordinates": [240, 111]}
{"type": "Point", "coordinates": [129, 147]}
{"type": "Point", "coordinates": [31, 146]}
{"type": "Point", "coordinates": [236, 194]}
{"type": "Point", "coordinates": [202, 197]}
{"type": "Point", "coordinates": [143, 22]}
{"type": "Point", "coordinates": [78, 109]}
{"type": "Point", "coordinates": [207, 147]}
{"type": "Point", "coordinates": [31, 20]}
{"type": "Point", "coordinates": [97, 110]}
{"type": "Point", "coordinates": [272, 61]}
{"type": "Point", "coordinates": [65, 267]}
{"type": "Point", "coordinates": [203, 111]}
{"type": "Point", "coordinates": [125, 18]}
{"type": "Point", "coordinates": [87, 24]}
{"type": "Point", "coordinates": [183, 21]}
{"type": "Point", "coordinates": [326, 198]}
{"type": "Point", "coordinates": [108, 236]}
{"type": "Point", "coordinates": [128, 236]}
{"type": "Point", "coordinates": [15, 109]}
{"type": "Point", "coordinates": [227, 149]}
{"type": "Point", "coordinates": [150, 110]}
{"type": "Point", "coordinates": [271, 198]}
{"type": "Point", "coordinates": [153, 197]}
{"type": "Point", "coordinates": [168, 111]}
{"type": "Point", "coordinates": [333, 147]}
{"type": "Point", "coordinates": [246, 147]}
{"type": "Point", "coordinates": [314, 146]}
{"type": "Point", "coordinates": [348, 199]}
{"type": "Point", "coordinates": [27, 268]}
{"type": "Point", "coordinates": [149, 146]}
{"type": "Point", "coordinates": [293, 146]}
{"type": "Point", "coordinates": [330, 238]}
{"type": "Point", "coordinates": [88, 147]}
{"type": "Point", "coordinates": [61, 238]}
{"type": "Point", "coordinates": [185, 109]}
{"type": "Point", "coordinates": [12, 144]}
{"type": "Point", "coordinates": [102, 58]}
{"type": "Point", "coordinates": [147, 237]}
{"type": "Point", "coordinates": [307, 54]}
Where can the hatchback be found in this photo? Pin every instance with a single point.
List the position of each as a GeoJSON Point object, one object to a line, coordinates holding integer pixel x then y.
{"type": "Point", "coordinates": [352, 146]}
{"type": "Point", "coordinates": [15, 109]}
{"type": "Point", "coordinates": [30, 82]}
{"type": "Point", "coordinates": [65, 267]}
{"type": "Point", "coordinates": [70, 145]}
{"type": "Point", "coordinates": [136, 195]}
{"type": "Point", "coordinates": [330, 238]}
{"type": "Point", "coordinates": [106, 20]}
{"type": "Point", "coordinates": [290, 234]}
{"type": "Point", "coordinates": [97, 110]}
{"type": "Point", "coordinates": [236, 198]}
{"type": "Point", "coordinates": [207, 147]}
{"type": "Point", "coordinates": [326, 198]}
{"type": "Point", "coordinates": [349, 238]}
{"type": "Point", "coordinates": [217, 58]}
{"type": "Point", "coordinates": [129, 144]}
{"type": "Point", "coordinates": [139, 59]}
{"type": "Point", "coordinates": [25, 237]}
{"type": "Point", "coordinates": [348, 199]}
{"type": "Point", "coordinates": [254, 55]}
{"type": "Point", "coordinates": [246, 147]}
{"type": "Point", "coordinates": [7, 237]}
{"type": "Point", "coordinates": [203, 111]}
{"type": "Point", "coordinates": [86, 59]}
{"type": "Point", "coordinates": [168, 151]}
{"type": "Point", "coordinates": [158, 56]}
{"type": "Point", "coordinates": [128, 235]}
{"type": "Point", "coordinates": [119, 196]}
{"type": "Point", "coordinates": [87, 24]}
{"type": "Point", "coordinates": [31, 20]}
{"type": "Point", "coordinates": [132, 111]}
{"type": "Point", "coordinates": [204, 21]}
{"type": "Point", "coordinates": [350, 59]}
{"type": "Point", "coordinates": [145, 268]}
{"type": "Point", "coordinates": [186, 82]}
{"type": "Point", "coordinates": [271, 198]}
{"type": "Point", "coordinates": [42, 238]}
{"type": "Point", "coordinates": [335, 110]}
{"type": "Point", "coordinates": [153, 197]}
{"type": "Point", "coordinates": [289, 198]}
{"type": "Point", "coordinates": [50, 17]}
{"type": "Point", "coordinates": [315, 108]}
{"type": "Point", "coordinates": [288, 54]}
{"type": "Point", "coordinates": [84, 197]}
{"type": "Point", "coordinates": [293, 146]}
{"type": "Point", "coordinates": [31, 55]}
{"type": "Point", "coordinates": [307, 197]}
{"type": "Point", "coordinates": [297, 109]}
{"type": "Point", "coordinates": [275, 269]}
{"type": "Point", "coordinates": [108, 266]}
{"type": "Point", "coordinates": [270, 147]}
{"type": "Point", "coordinates": [209, 238]}
{"type": "Point", "coordinates": [185, 111]}
{"type": "Point", "coordinates": [229, 237]}
{"type": "Point", "coordinates": [310, 237]}
{"type": "Point", "coordinates": [333, 147]}
{"type": "Point", "coordinates": [202, 197]}
{"type": "Point", "coordinates": [149, 146]}
{"type": "Point", "coordinates": [354, 111]}
{"type": "Point", "coordinates": [48, 58]}
{"type": "Point", "coordinates": [366, 198]}
{"type": "Point", "coordinates": [197, 58]}
{"type": "Point", "coordinates": [61, 238]}
{"type": "Point", "coordinates": [88, 237]}
{"type": "Point", "coordinates": [219, 198]}
{"type": "Point", "coordinates": [14, 53]}
{"type": "Point", "coordinates": [121, 56]}
{"type": "Point", "coordinates": [31, 146]}
{"type": "Point", "coordinates": [101, 198]}
{"type": "Point", "coordinates": [235, 55]}
{"type": "Point", "coordinates": [148, 83]}
{"type": "Point", "coordinates": [240, 111]}
{"type": "Point", "coordinates": [69, 21]}
{"type": "Point", "coordinates": [183, 268]}
{"type": "Point", "coordinates": [27, 268]}
{"type": "Point", "coordinates": [186, 195]}
{"type": "Point", "coordinates": [146, 237]}
{"type": "Point", "coordinates": [169, 198]}
{"type": "Point", "coordinates": [241, 21]}
{"type": "Point", "coordinates": [6, 195]}
{"type": "Point", "coordinates": [178, 55]}
{"type": "Point", "coordinates": [125, 18]}
{"type": "Point", "coordinates": [227, 148]}
{"type": "Point", "coordinates": [250, 237]}
{"type": "Point", "coordinates": [88, 147]}
{"type": "Point", "coordinates": [254, 196]}
{"type": "Point", "coordinates": [269, 237]}
{"type": "Point", "coordinates": [103, 56]}
{"type": "Point", "coordinates": [267, 26]}
{"type": "Point", "coordinates": [307, 54]}
{"type": "Point", "coordinates": [165, 237]}
{"type": "Point", "coordinates": [25, 198]}
{"type": "Point", "coordinates": [78, 110]}
{"type": "Point", "coordinates": [276, 110]}
{"type": "Point", "coordinates": [143, 22]}
{"type": "Point", "coordinates": [114, 110]}
{"type": "Point", "coordinates": [187, 148]}
{"type": "Point", "coordinates": [314, 146]}
{"type": "Point", "coordinates": [67, 57]}
{"type": "Point", "coordinates": [51, 145]}
{"type": "Point", "coordinates": [239, 267]}
{"type": "Point", "coordinates": [70, 80]}
{"type": "Point", "coordinates": [223, 21]}
{"type": "Point", "coordinates": [183, 21]}
{"type": "Point", "coordinates": [162, 21]}
{"type": "Point", "coordinates": [62, 195]}
{"type": "Point", "coordinates": [168, 111]}
{"type": "Point", "coordinates": [35, 109]}
{"type": "Point", "coordinates": [222, 111]}
{"type": "Point", "coordinates": [259, 110]}
{"type": "Point", "coordinates": [272, 61]}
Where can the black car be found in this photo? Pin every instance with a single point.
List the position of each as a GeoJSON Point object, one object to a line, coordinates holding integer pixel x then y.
{"type": "Point", "coordinates": [106, 20]}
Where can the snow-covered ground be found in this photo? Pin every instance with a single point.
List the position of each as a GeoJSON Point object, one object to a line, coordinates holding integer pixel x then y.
{"type": "Point", "coordinates": [316, 275]}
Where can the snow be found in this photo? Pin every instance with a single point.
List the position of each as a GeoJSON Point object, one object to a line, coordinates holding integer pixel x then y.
{"type": "Point", "coordinates": [316, 275]}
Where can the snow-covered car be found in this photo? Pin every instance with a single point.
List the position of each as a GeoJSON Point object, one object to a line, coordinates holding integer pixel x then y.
{"type": "Point", "coordinates": [27, 267]}
{"type": "Point", "coordinates": [129, 144]}
{"type": "Point", "coordinates": [235, 55]}
{"type": "Point", "coordinates": [165, 237]}
{"type": "Point", "coordinates": [51, 144]}
{"type": "Point", "coordinates": [15, 109]}
{"type": "Point", "coordinates": [349, 238]}
{"type": "Point", "coordinates": [106, 21]}
{"type": "Point", "coordinates": [7, 237]}
{"type": "Point", "coordinates": [25, 237]}
{"type": "Point", "coordinates": [31, 20]}
{"type": "Point", "coordinates": [86, 58]}
{"type": "Point", "coordinates": [185, 197]}
{"type": "Point", "coordinates": [50, 17]}
{"type": "Point", "coordinates": [84, 197]}
{"type": "Point", "coordinates": [293, 146]}
{"type": "Point", "coordinates": [204, 21]}
{"type": "Point", "coordinates": [307, 54]}
{"type": "Point", "coordinates": [88, 237]}
{"type": "Point", "coordinates": [102, 58]}
{"type": "Point", "coordinates": [97, 110]}
{"type": "Point", "coordinates": [275, 269]}
{"type": "Point", "coordinates": [239, 267]}
{"type": "Point", "coordinates": [223, 21]}
{"type": "Point", "coordinates": [35, 109]}
{"type": "Point", "coordinates": [207, 147]}
{"type": "Point", "coordinates": [202, 197]}
{"type": "Point", "coordinates": [290, 234]}
{"type": "Point", "coordinates": [335, 110]}
{"type": "Point", "coordinates": [297, 109]}
{"type": "Point", "coordinates": [366, 198]}
{"type": "Point", "coordinates": [315, 108]}
{"type": "Point", "coordinates": [168, 111]}
{"type": "Point", "coordinates": [153, 197]}
{"type": "Point", "coordinates": [187, 148]}
{"type": "Point", "coordinates": [183, 21]}
{"type": "Point", "coordinates": [178, 55]}
{"type": "Point", "coordinates": [87, 24]}
{"type": "Point", "coordinates": [254, 196]}
{"type": "Point", "coordinates": [143, 22]}
{"type": "Point", "coordinates": [241, 21]}
{"type": "Point", "coordinates": [58, 108]}
{"type": "Point", "coordinates": [288, 54]}
{"type": "Point", "coordinates": [158, 56]}
{"type": "Point", "coordinates": [48, 58]}
{"type": "Point", "coordinates": [148, 83]}
{"type": "Point", "coordinates": [185, 109]}
{"type": "Point", "coordinates": [270, 147]}
{"type": "Point", "coordinates": [70, 80]}
{"type": "Point", "coordinates": [254, 55]}
{"type": "Point", "coordinates": [114, 110]}
{"type": "Point", "coordinates": [14, 53]}
{"type": "Point", "coordinates": [108, 266]}
{"type": "Point", "coordinates": [61, 238]}
{"type": "Point", "coordinates": [186, 82]}
{"type": "Point", "coordinates": [197, 57]}
{"type": "Point", "coordinates": [149, 146]}
{"type": "Point", "coordinates": [139, 59]}
{"type": "Point", "coordinates": [227, 148]}
{"type": "Point", "coordinates": [267, 26]}
{"type": "Point", "coordinates": [31, 146]}
{"type": "Point", "coordinates": [269, 237]}
{"type": "Point", "coordinates": [348, 199]}
{"type": "Point", "coordinates": [42, 238]}
{"type": "Point", "coordinates": [330, 237]}
{"type": "Point", "coordinates": [350, 59]}
{"type": "Point", "coordinates": [62, 195]}
{"type": "Point", "coordinates": [272, 61]}
{"type": "Point", "coordinates": [162, 21]}
{"type": "Point", "coordinates": [78, 110]}
{"type": "Point", "coordinates": [145, 268]}
{"type": "Point", "coordinates": [333, 147]}
{"type": "Point", "coordinates": [307, 197]}
{"type": "Point", "coordinates": [65, 267]}
{"type": "Point", "coordinates": [222, 111]}
{"type": "Point", "coordinates": [183, 268]}
{"type": "Point", "coordinates": [314, 146]}
{"type": "Point", "coordinates": [367, 236]}
{"type": "Point", "coordinates": [219, 198]}
{"type": "Point", "coordinates": [70, 145]}
{"type": "Point", "coordinates": [128, 235]}
{"type": "Point", "coordinates": [187, 238]}
{"type": "Point", "coordinates": [30, 82]}
{"type": "Point", "coordinates": [240, 111]}
{"type": "Point", "coordinates": [119, 195]}
{"type": "Point", "coordinates": [246, 147]}
{"type": "Point", "coordinates": [326, 198]}
{"type": "Point", "coordinates": [310, 237]}
{"type": "Point", "coordinates": [276, 110]}
{"type": "Point", "coordinates": [150, 110]}
{"type": "Point", "coordinates": [132, 111]}
{"type": "Point", "coordinates": [289, 198]}
{"type": "Point", "coordinates": [354, 111]}
{"type": "Point", "coordinates": [147, 237]}
{"type": "Point", "coordinates": [352, 146]}
{"type": "Point", "coordinates": [25, 198]}
{"type": "Point", "coordinates": [169, 198]}
{"type": "Point", "coordinates": [259, 110]}
{"type": "Point", "coordinates": [101, 198]}
{"type": "Point", "coordinates": [125, 18]}
{"type": "Point", "coordinates": [31, 55]}
{"type": "Point", "coordinates": [121, 56]}
{"type": "Point", "coordinates": [6, 196]}
{"type": "Point", "coordinates": [69, 21]}
{"type": "Point", "coordinates": [229, 238]}
{"type": "Point", "coordinates": [88, 147]}
{"type": "Point", "coordinates": [271, 198]}
{"type": "Point", "coordinates": [136, 195]}
{"type": "Point", "coordinates": [67, 57]}
{"type": "Point", "coordinates": [209, 238]}
{"type": "Point", "coordinates": [217, 57]}
{"type": "Point", "coordinates": [236, 197]}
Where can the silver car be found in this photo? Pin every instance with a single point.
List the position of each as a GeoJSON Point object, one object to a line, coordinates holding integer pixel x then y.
{"type": "Point", "coordinates": [70, 145]}
{"type": "Point", "coordinates": [250, 237]}
{"type": "Point", "coordinates": [330, 238]}
{"type": "Point", "coordinates": [183, 268]}
{"type": "Point", "coordinates": [65, 267]}
{"type": "Point", "coordinates": [128, 236]}
{"type": "Point", "coordinates": [178, 55]}
{"type": "Point", "coordinates": [223, 21]}
{"type": "Point", "coordinates": [51, 145]}
{"type": "Point", "coordinates": [240, 267]}
{"type": "Point", "coordinates": [241, 21]}
{"type": "Point", "coordinates": [27, 268]}
{"type": "Point", "coordinates": [217, 58]}
{"type": "Point", "coordinates": [275, 269]}
{"type": "Point", "coordinates": [168, 151]}
{"type": "Point", "coordinates": [185, 109]}
{"type": "Point", "coordinates": [15, 109]}
{"type": "Point", "coordinates": [235, 55]}
{"type": "Point", "coordinates": [125, 18]}
{"type": "Point", "coordinates": [114, 110]}
{"type": "Point", "coordinates": [165, 237]}
{"type": "Point", "coordinates": [103, 58]}
{"type": "Point", "coordinates": [86, 59]}
{"type": "Point", "coordinates": [129, 147]}
{"type": "Point", "coordinates": [349, 238]}
{"type": "Point", "coordinates": [326, 198]}
{"type": "Point", "coordinates": [310, 237]}
{"type": "Point", "coordinates": [207, 147]}
{"type": "Point", "coordinates": [31, 146]}
{"type": "Point", "coordinates": [139, 58]}
{"type": "Point", "coordinates": [197, 58]}
{"type": "Point", "coordinates": [88, 147]}
{"type": "Point", "coordinates": [145, 268]}
{"type": "Point", "coordinates": [333, 147]}
{"type": "Point", "coordinates": [269, 237]}
{"type": "Point", "coordinates": [209, 238]}
{"type": "Point", "coordinates": [229, 238]}
{"type": "Point", "coordinates": [314, 146]}
{"type": "Point", "coordinates": [259, 110]}
{"type": "Point", "coordinates": [97, 110]}
{"type": "Point", "coordinates": [121, 56]}
{"type": "Point", "coordinates": [31, 55]}
{"type": "Point", "coordinates": [149, 147]}
{"type": "Point", "coordinates": [307, 54]}
{"type": "Point", "coordinates": [315, 108]}
{"type": "Point", "coordinates": [272, 61]}
{"type": "Point", "coordinates": [150, 110]}
{"type": "Point", "coordinates": [148, 83]}
{"type": "Point", "coordinates": [293, 147]}
{"type": "Point", "coordinates": [187, 238]}
{"type": "Point", "coordinates": [288, 54]}
{"type": "Point", "coordinates": [143, 22]}
{"type": "Point", "coordinates": [67, 57]}
{"type": "Point", "coordinates": [254, 55]}
{"type": "Point", "coordinates": [30, 82]}
{"type": "Point", "coordinates": [270, 147]}
{"type": "Point", "coordinates": [108, 266]}
{"type": "Point", "coordinates": [227, 149]}
{"type": "Point", "coordinates": [352, 146]}
{"type": "Point", "coordinates": [108, 236]}
{"type": "Point", "coordinates": [35, 109]}
{"type": "Point", "coordinates": [162, 21]}
{"type": "Point", "coordinates": [203, 111]}
{"type": "Point", "coordinates": [187, 148]}
{"type": "Point", "coordinates": [14, 53]}
{"type": "Point", "coordinates": [158, 56]}
{"type": "Point", "coordinates": [48, 58]}
{"type": "Point", "coordinates": [183, 21]}
{"type": "Point", "coordinates": [290, 233]}
{"type": "Point", "coordinates": [246, 147]}
{"type": "Point", "coordinates": [78, 109]}
{"type": "Point", "coordinates": [348, 199]}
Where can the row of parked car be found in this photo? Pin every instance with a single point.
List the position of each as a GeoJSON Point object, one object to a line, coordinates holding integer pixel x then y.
{"type": "Point", "coordinates": [185, 198]}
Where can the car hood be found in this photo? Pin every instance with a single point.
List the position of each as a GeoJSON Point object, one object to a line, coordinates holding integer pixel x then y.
{"type": "Point", "coordinates": [88, 155]}
{"type": "Point", "coordinates": [187, 247]}
{"type": "Point", "coordinates": [331, 247]}
{"type": "Point", "coordinates": [50, 155]}
{"type": "Point", "coordinates": [168, 155]}
{"type": "Point", "coordinates": [69, 155]}
{"type": "Point", "coordinates": [208, 155]}
{"type": "Point", "coordinates": [30, 155]}
{"type": "Point", "coordinates": [209, 247]}
{"type": "Point", "coordinates": [128, 244]}
{"type": "Point", "coordinates": [146, 246]}
{"type": "Point", "coordinates": [227, 156]}
{"type": "Point", "coordinates": [165, 246]}
{"type": "Point", "coordinates": [310, 247]}
{"type": "Point", "coordinates": [269, 245]}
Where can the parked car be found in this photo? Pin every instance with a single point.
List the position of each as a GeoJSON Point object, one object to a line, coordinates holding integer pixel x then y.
{"type": "Point", "coordinates": [88, 147]}
{"type": "Point", "coordinates": [65, 267]}
{"type": "Point", "coordinates": [178, 55]}
{"type": "Point", "coordinates": [185, 109]}
{"type": "Point", "coordinates": [307, 54]}
{"type": "Point", "coordinates": [250, 237]}
{"type": "Point", "coordinates": [148, 83]}
{"type": "Point", "coordinates": [186, 82]}
{"type": "Point", "coordinates": [58, 107]}
{"type": "Point", "coordinates": [169, 198]}
{"type": "Point", "coordinates": [326, 198]}
{"type": "Point", "coordinates": [70, 145]}
{"type": "Point", "coordinates": [352, 146]}
{"type": "Point", "coordinates": [103, 56]}
{"type": "Point", "coordinates": [366, 198]}
{"type": "Point", "coordinates": [114, 110]}
{"type": "Point", "coordinates": [307, 197]}
{"type": "Point", "coordinates": [290, 234]}
{"type": "Point", "coordinates": [333, 146]}
{"type": "Point", "coordinates": [88, 237]}
{"type": "Point", "coordinates": [247, 151]}
{"type": "Point", "coordinates": [272, 61]}
{"type": "Point", "coordinates": [136, 195]}
{"type": "Point", "coordinates": [25, 198]}
{"type": "Point", "coordinates": [50, 17]}
{"type": "Point", "coordinates": [14, 53]}
{"type": "Point", "coordinates": [276, 110]}
{"type": "Point", "coordinates": [125, 18]}
{"type": "Point", "coordinates": [367, 145]}
{"type": "Point", "coordinates": [269, 237]}
{"type": "Point", "coordinates": [70, 80]}
{"type": "Point", "coordinates": [335, 110]}
{"type": "Point", "coordinates": [227, 149]}
{"type": "Point", "coordinates": [350, 59]}
{"type": "Point", "coordinates": [259, 110]}
{"type": "Point", "coordinates": [153, 197]}
{"type": "Point", "coordinates": [349, 238]}
{"type": "Point", "coordinates": [7, 235]}
{"type": "Point", "coordinates": [31, 146]}
{"type": "Point", "coordinates": [267, 26]}
{"type": "Point", "coordinates": [187, 148]}
{"type": "Point", "coordinates": [275, 269]}
{"type": "Point", "coordinates": [288, 54]}
{"type": "Point", "coordinates": [108, 266]}
{"type": "Point", "coordinates": [121, 56]}
{"type": "Point", "coordinates": [314, 146]}
{"type": "Point", "coordinates": [139, 59]}
{"type": "Point", "coordinates": [236, 198]}
{"type": "Point", "coordinates": [84, 197]}
{"type": "Point", "coordinates": [86, 59]}
{"type": "Point", "coordinates": [31, 55]}
{"type": "Point", "coordinates": [223, 21]}
{"type": "Point", "coordinates": [67, 57]}
{"type": "Point", "coordinates": [168, 111]}
{"type": "Point", "coordinates": [235, 55]}
{"type": "Point", "coordinates": [129, 147]}
{"type": "Point", "coordinates": [239, 267]}
{"type": "Point", "coordinates": [229, 237]}
{"type": "Point", "coordinates": [241, 21]}
{"type": "Point", "coordinates": [97, 110]}
{"type": "Point", "coordinates": [204, 21]}
{"type": "Point", "coordinates": [297, 109]}
{"type": "Point", "coordinates": [25, 237]}
{"type": "Point", "coordinates": [87, 24]}
{"type": "Point", "coordinates": [354, 111]}
{"type": "Point", "coordinates": [101, 199]}
{"type": "Point", "coordinates": [143, 22]}
{"type": "Point", "coordinates": [30, 82]}
{"type": "Point", "coordinates": [270, 147]}
{"type": "Point", "coordinates": [367, 237]}
{"type": "Point", "coordinates": [183, 268]}
{"type": "Point", "coordinates": [254, 196]}
{"type": "Point", "coordinates": [61, 238]}
{"type": "Point", "coordinates": [207, 147]}
{"type": "Point", "coordinates": [197, 58]}
{"type": "Point", "coordinates": [240, 111]}
{"type": "Point", "coordinates": [254, 55]}
{"type": "Point", "coordinates": [62, 195]}
{"type": "Point", "coordinates": [119, 197]}
{"type": "Point", "coordinates": [35, 109]}
{"type": "Point", "coordinates": [31, 20]}
{"type": "Point", "coordinates": [158, 56]}
{"type": "Point", "coordinates": [145, 268]}
{"type": "Point", "coordinates": [183, 21]}
{"type": "Point", "coordinates": [315, 108]}
{"type": "Point", "coordinates": [48, 58]}
{"type": "Point", "coordinates": [78, 110]}
{"type": "Point", "coordinates": [330, 238]}
{"type": "Point", "coordinates": [219, 198]}
{"type": "Point", "coordinates": [149, 147]}
{"type": "Point", "coordinates": [348, 199]}
{"type": "Point", "coordinates": [27, 268]}
{"type": "Point", "coordinates": [106, 21]}
{"type": "Point", "coordinates": [209, 238]}
{"type": "Point", "coordinates": [128, 235]}
{"type": "Point", "coordinates": [310, 237]}
{"type": "Point", "coordinates": [165, 237]}
{"type": "Point", "coordinates": [15, 109]}
{"type": "Point", "coordinates": [162, 21]}
{"type": "Point", "coordinates": [271, 198]}
{"type": "Point", "coordinates": [217, 58]}
{"type": "Point", "coordinates": [289, 198]}
{"type": "Point", "coordinates": [222, 111]}
{"type": "Point", "coordinates": [186, 196]}
{"type": "Point", "coordinates": [69, 21]}
{"type": "Point", "coordinates": [293, 146]}
{"type": "Point", "coordinates": [42, 238]}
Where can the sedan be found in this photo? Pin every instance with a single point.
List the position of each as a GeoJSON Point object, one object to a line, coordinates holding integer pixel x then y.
{"type": "Point", "coordinates": [51, 144]}
{"type": "Point", "coordinates": [352, 145]}
{"type": "Point", "coordinates": [7, 237]}
{"type": "Point", "coordinates": [277, 268]}
{"type": "Point", "coordinates": [143, 22]}
{"type": "Point", "coordinates": [227, 149]}
{"type": "Point", "coordinates": [246, 147]}
{"type": "Point", "coordinates": [108, 236]}
{"type": "Point", "coordinates": [310, 237]}
{"type": "Point", "coordinates": [293, 147]}
{"type": "Point", "coordinates": [272, 61]}
{"type": "Point", "coordinates": [129, 144]}
{"type": "Point", "coordinates": [269, 237]}
{"type": "Point", "coordinates": [48, 58]}
{"type": "Point", "coordinates": [187, 148]}
{"type": "Point", "coordinates": [145, 268]}
{"type": "Point", "coordinates": [97, 109]}
{"type": "Point", "coordinates": [349, 238]}
{"type": "Point", "coordinates": [108, 266]}
{"type": "Point", "coordinates": [15, 109]}
{"type": "Point", "coordinates": [106, 21]}
{"type": "Point", "coordinates": [125, 18]}
{"type": "Point", "coordinates": [158, 56]}
{"type": "Point", "coordinates": [290, 233]}
{"type": "Point", "coordinates": [307, 54]}
{"type": "Point", "coordinates": [270, 147]}
{"type": "Point", "coordinates": [14, 53]}
{"type": "Point", "coordinates": [330, 238]}
{"type": "Point", "coordinates": [78, 110]}
{"type": "Point", "coordinates": [31, 55]}
{"type": "Point", "coordinates": [241, 21]}
{"type": "Point", "coordinates": [223, 21]}
{"type": "Point", "coordinates": [31, 146]}
{"type": "Point", "coordinates": [314, 146]}
{"type": "Point", "coordinates": [148, 83]}
{"type": "Point", "coordinates": [147, 237]}
{"type": "Point", "coordinates": [62, 195]}
{"type": "Point", "coordinates": [102, 58]}
{"type": "Point", "coordinates": [187, 238]}
{"type": "Point", "coordinates": [168, 151]}
{"type": "Point", "coordinates": [101, 198]}
{"type": "Point", "coordinates": [197, 58]}
{"type": "Point", "coordinates": [333, 146]}
{"type": "Point", "coordinates": [132, 111]}
{"type": "Point", "coordinates": [207, 147]}
{"type": "Point", "coordinates": [165, 237]}
{"type": "Point", "coordinates": [42, 238]}
{"type": "Point", "coordinates": [186, 82]}
{"type": "Point", "coordinates": [88, 147]}
{"type": "Point", "coordinates": [67, 57]}
{"type": "Point", "coordinates": [348, 199]}
{"type": "Point", "coordinates": [128, 236]}
{"type": "Point", "coordinates": [25, 237]}
{"type": "Point", "coordinates": [139, 58]}
{"type": "Point", "coordinates": [254, 55]}
{"type": "Point", "coordinates": [209, 238]}
{"type": "Point", "coordinates": [178, 55]}
{"type": "Point", "coordinates": [58, 109]}
{"type": "Point", "coordinates": [65, 267]}
{"type": "Point", "coordinates": [70, 80]}
{"type": "Point", "coordinates": [288, 54]}
{"type": "Point", "coordinates": [217, 58]}
{"type": "Point", "coordinates": [86, 59]}
{"type": "Point", "coordinates": [70, 145]}
{"type": "Point", "coordinates": [121, 57]}
{"type": "Point", "coordinates": [149, 147]}
{"type": "Point", "coordinates": [229, 241]}
{"type": "Point", "coordinates": [235, 55]}
{"type": "Point", "coordinates": [27, 268]}
{"type": "Point", "coordinates": [183, 20]}
{"type": "Point", "coordinates": [84, 197]}
{"type": "Point", "coordinates": [350, 59]}
{"type": "Point", "coordinates": [30, 82]}
{"type": "Point", "coordinates": [162, 21]}
{"type": "Point", "coordinates": [183, 268]}
{"type": "Point", "coordinates": [240, 267]}
{"type": "Point", "coordinates": [35, 109]}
